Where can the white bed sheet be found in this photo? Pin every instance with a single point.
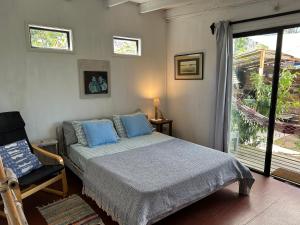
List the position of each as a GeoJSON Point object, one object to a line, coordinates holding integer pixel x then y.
{"type": "Point", "coordinates": [80, 154]}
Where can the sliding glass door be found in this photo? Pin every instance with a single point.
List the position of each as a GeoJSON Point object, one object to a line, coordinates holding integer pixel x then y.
{"type": "Point", "coordinates": [253, 69]}
{"type": "Point", "coordinates": [265, 111]}
{"type": "Point", "coordinates": [286, 139]}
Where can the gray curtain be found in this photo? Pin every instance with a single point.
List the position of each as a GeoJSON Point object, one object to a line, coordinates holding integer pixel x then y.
{"type": "Point", "coordinates": [224, 85]}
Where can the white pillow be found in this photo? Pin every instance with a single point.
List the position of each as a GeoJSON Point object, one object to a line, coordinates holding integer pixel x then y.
{"type": "Point", "coordinates": [77, 125]}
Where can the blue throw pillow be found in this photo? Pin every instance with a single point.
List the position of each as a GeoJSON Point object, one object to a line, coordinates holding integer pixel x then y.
{"type": "Point", "coordinates": [136, 125]}
{"type": "Point", "coordinates": [18, 157]}
{"type": "Point", "coordinates": [99, 132]}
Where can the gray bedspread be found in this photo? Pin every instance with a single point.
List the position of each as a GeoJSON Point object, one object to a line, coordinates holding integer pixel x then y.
{"type": "Point", "coordinates": [143, 185]}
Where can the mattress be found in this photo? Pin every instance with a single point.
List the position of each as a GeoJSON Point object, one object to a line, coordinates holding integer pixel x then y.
{"type": "Point", "coordinates": [80, 154]}
{"type": "Point", "coordinates": [143, 185]}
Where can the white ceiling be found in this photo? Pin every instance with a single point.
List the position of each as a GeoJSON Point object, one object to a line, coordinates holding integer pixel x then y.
{"type": "Point", "coordinates": [153, 5]}
{"type": "Point", "coordinates": [140, 1]}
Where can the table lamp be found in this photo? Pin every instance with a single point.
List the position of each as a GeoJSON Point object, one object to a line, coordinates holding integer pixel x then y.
{"type": "Point", "coordinates": [156, 103]}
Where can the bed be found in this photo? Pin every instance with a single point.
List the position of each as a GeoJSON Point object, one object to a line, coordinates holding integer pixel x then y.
{"type": "Point", "coordinates": [139, 181]}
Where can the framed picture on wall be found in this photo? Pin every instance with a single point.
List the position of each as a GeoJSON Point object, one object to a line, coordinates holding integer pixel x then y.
{"type": "Point", "coordinates": [95, 82]}
{"type": "Point", "coordinates": [189, 66]}
{"type": "Point", "coordinates": [94, 77]}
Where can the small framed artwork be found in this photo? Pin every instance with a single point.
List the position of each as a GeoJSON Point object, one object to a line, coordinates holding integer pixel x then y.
{"type": "Point", "coordinates": [189, 66]}
{"type": "Point", "coordinates": [94, 77]}
{"type": "Point", "coordinates": [95, 82]}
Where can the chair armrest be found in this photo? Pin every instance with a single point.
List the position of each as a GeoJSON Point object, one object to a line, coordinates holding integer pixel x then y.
{"type": "Point", "coordinates": [48, 154]}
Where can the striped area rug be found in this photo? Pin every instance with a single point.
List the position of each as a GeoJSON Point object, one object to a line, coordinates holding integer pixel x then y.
{"type": "Point", "coordinates": [70, 211]}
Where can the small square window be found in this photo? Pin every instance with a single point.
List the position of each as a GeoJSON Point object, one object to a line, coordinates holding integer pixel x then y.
{"type": "Point", "coordinates": [127, 46]}
{"type": "Point", "coordinates": [50, 38]}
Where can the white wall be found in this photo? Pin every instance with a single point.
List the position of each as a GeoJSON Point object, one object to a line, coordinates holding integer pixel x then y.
{"type": "Point", "coordinates": [192, 103]}
{"type": "Point", "coordinates": [45, 86]}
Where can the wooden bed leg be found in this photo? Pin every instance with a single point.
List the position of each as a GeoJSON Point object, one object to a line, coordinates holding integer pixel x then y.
{"type": "Point", "coordinates": [64, 183]}
{"type": "Point", "coordinates": [244, 188]}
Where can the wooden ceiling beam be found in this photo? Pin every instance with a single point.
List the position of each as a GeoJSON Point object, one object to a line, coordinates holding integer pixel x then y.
{"type": "Point", "coordinates": [154, 5]}
{"type": "Point", "coordinates": [111, 3]}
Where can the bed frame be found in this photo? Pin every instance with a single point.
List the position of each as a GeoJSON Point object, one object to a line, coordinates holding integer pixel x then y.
{"type": "Point", "coordinates": [63, 148]}
{"type": "Point", "coordinates": [62, 151]}
{"type": "Point", "coordinates": [243, 188]}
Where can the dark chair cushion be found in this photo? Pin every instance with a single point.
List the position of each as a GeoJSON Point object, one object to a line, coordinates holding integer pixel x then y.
{"type": "Point", "coordinates": [43, 173]}
{"type": "Point", "coordinates": [12, 128]}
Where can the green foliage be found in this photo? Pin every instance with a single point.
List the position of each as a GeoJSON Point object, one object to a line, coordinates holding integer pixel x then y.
{"type": "Point", "coordinates": [263, 91]}
{"type": "Point", "coordinates": [240, 45]}
{"type": "Point", "coordinates": [245, 44]}
{"type": "Point", "coordinates": [249, 131]}
{"type": "Point", "coordinates": [297, 143]}
{"type": "Point", "coordinates": [262, 98]}
{"type": "Point", "coordinates": [285, 99]}
{"type": "Point", "coordinates": [126, 47]}
{"type": "Point", "coordinates": [48, 39]}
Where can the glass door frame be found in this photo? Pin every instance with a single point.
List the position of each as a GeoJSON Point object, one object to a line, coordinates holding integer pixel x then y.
{"type": "Point", "coordinates": [275, 81]}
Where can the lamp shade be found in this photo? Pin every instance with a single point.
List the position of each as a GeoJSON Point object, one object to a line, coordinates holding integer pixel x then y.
{"type": "Point", "coordinates": [156, 102]}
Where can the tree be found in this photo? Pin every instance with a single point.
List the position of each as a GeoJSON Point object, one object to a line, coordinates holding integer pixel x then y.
{"type": "Point", "coordinates": [285, 99]}
{"type": "Point", "coordinates": [240, 45]}
{"type": "Point", "coordinates": [245, 44]}
{"type": "Point", "coordinates": [48, 39]}
{"type": "Point", "coordinates": [260, 100]}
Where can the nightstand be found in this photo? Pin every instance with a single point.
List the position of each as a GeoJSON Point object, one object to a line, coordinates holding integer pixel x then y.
{"type": "Point", "coordinates": [50, 145]}
{"type": "Point", "coordinates": [159, 124]}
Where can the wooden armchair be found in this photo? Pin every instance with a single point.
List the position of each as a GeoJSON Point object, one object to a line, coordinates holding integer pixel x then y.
{"type": "Point", "coordinates": [12, 128]}
{"type": "Point", "coordinates": [8, 188]}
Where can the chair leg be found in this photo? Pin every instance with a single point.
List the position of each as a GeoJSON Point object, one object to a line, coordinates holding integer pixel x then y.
{"type": "Point", "coordinates": [2, 214]}
{"type": "Point", "coordinates": [64, 183]}
{"type": "Point", "coordinates": [18, 194]}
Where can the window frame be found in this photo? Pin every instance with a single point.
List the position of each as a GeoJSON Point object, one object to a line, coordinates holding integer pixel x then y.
{"type": "Point", "coordinates": [275, 82]}
{"type": "Point", "coordinates": [138, 42]}
{"type": "Point", "coordinates": [67, 31]}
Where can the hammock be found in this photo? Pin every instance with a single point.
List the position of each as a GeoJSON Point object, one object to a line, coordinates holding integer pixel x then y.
{"type": "Point", "coordinates": [262, 120]}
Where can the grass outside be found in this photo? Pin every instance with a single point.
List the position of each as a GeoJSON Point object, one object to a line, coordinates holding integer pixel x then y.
{"type": "Point", "coordinates": [290, 142]}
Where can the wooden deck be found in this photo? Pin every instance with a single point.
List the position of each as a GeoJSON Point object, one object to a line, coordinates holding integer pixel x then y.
{"type": "Point", "coordinates": [255, 158]}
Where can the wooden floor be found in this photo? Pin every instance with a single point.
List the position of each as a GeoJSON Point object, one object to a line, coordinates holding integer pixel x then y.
{"type": "Point", "coordinates": [271, 202]}
{"type": "Point", "coordinates": [255, 158]}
